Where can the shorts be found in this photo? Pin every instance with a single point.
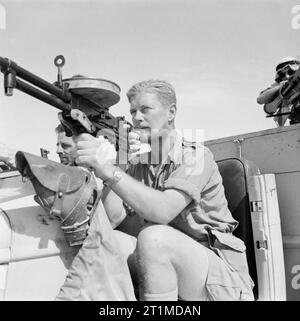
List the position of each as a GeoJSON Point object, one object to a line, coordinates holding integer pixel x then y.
{"type": "Point", "coordinates": [228, 277]}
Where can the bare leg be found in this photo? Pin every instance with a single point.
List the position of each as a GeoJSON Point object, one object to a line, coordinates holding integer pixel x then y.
{"type": "Point", "coordinates": [168, 260]}
{"type": "Point", "coordinates": [127, 246]}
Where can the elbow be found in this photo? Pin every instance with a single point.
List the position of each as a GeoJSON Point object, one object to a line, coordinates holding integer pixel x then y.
{"type": "Point", "coordinates": [160, 210]}
{"type": "Point", "coordinates": [259, 100]}
{"type": "Point", "coordinates": [159, 215]}
{"type": "Point", "coordinates": [262, 98]}
{"type": "Point", "coordinates": [165, 220]}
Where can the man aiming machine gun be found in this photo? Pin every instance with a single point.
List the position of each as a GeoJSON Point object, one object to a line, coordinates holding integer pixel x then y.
{"type": "Point", "coordinates": [282, 99]}
{"type": "Point", "coordinates": [71, 193]}
{"type": "Point", "coordinates": [179, 199]}
{"type": "Point", "coordinates": [84, 104]}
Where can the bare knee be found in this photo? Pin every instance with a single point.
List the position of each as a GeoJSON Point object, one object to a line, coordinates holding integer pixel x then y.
{"type": "Point", "coordinates": [154, 240]}
{"type": "Point", "coordinates": [154, 260]}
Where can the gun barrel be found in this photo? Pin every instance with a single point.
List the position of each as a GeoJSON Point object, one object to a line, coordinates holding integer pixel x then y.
{"type": "Point", "coordinates": [7, 64]}
{"type": "Point", "coordinates": [49, 99]}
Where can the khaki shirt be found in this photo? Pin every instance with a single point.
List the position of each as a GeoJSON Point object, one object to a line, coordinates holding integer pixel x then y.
{"type": "Point", "coordinates": [190, 168]}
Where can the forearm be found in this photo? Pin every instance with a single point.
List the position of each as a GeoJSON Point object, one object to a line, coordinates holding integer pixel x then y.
{"type": "Point", "coordinates": [268, 95]}
{"type": "Point", "coordinates": [113, 207]}
{"type": "Point", "coordinates": [149, 203]}
{"type": "Point", "coordinates": [152, 205]}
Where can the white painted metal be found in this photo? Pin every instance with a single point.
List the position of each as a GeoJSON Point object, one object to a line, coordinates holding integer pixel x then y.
{"type": "Point", "coordinates": [34, 256]}
{"type": "Point", "coordinates": [275, 151]}
{"type": "Point", "coordinates": [267, 238]}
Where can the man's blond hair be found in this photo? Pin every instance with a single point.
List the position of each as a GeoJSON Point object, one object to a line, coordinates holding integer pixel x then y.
{"type": "Point", "coordinates": [163, 89]}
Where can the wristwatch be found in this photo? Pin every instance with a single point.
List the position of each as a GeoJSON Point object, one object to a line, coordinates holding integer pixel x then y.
{"type": "Point", "coordinates": [117, 175]}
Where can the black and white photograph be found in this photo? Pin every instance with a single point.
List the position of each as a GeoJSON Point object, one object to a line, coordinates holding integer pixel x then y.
{"type": "Point", "coordinates": [149, 151]}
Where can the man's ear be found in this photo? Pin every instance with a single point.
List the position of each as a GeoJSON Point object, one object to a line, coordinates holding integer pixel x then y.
{"type": "Point", "coordinates": [172, 112]}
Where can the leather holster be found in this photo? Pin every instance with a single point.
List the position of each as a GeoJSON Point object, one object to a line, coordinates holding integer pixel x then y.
{"type": "Point", "coordinates": [69, 193]}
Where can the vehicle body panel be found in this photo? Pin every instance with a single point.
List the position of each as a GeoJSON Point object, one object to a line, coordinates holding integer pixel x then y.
{"type": "Point", "coordinates": [34, 256]}
{"type": "Point", "coordinates": [275, 151]}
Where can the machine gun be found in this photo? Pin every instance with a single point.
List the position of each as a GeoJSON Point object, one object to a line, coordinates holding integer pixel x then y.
{"type": "Point", "coordinates": [290, 92]}
{"type": "Point", "coordinates": [84, 102]}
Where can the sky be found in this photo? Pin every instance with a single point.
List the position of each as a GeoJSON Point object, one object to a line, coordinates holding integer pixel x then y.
{"type": "Point", "coordinates": [218, 55]}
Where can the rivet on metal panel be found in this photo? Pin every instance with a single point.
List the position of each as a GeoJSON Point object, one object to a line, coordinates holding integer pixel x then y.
{"type": "Point", "coordinates": [239, 142]}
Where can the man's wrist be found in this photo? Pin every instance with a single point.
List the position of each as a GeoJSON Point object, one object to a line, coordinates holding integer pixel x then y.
{"type": "Point", "coordinates": [106, 171]}
{"type": "Point", "coordinates": [114, 178]}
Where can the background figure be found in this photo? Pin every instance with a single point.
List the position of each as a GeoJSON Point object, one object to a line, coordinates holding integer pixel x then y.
{"type": "Point", "coordinates": [66, 148]}
{"type": "Point", "coordinates": [270, 97]}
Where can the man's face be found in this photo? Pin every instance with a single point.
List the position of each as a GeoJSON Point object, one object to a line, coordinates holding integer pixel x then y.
{"type": "Point", "coordinates": [66, 149]}
{"type": "Point", "coordinates": [149, 115]}
{"type": "Point", "coordinates": [288, 70]}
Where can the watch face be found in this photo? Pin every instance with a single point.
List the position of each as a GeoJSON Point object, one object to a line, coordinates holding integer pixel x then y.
{"type": "Point", "coordinates": [117, 174]}
{"type": "Point", "coordinates": [114, 179]}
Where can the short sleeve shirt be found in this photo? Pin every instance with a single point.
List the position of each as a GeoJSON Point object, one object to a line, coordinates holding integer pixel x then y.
{"type": "Point", "coordinates": [191, 169]}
